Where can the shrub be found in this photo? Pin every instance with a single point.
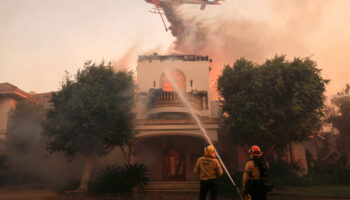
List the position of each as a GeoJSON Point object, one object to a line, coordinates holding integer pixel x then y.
{"type": "Point", "coordinates": [283, 174]}
{"type": "Point", "coordinates": [330, 173]}
{"type": "Point", "coordinates": [116, 179]}
{"type": "Point", "coordinates": [135, 176]}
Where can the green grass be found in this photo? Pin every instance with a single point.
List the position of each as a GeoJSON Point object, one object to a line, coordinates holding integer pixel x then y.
{"type": "Point", "coordinates": [318, 191]}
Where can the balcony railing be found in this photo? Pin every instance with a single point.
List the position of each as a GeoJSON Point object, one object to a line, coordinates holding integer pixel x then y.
{"type": "Point", "coordinates": [164, 99]}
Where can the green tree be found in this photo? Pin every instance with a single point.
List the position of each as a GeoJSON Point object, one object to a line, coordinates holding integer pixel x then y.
{"type": "Point", "coordinates": [271, 104]}
{"type": "Point", "coordinates": [340, 120]}
{"type": "Point", "coordinates": [91, 114]}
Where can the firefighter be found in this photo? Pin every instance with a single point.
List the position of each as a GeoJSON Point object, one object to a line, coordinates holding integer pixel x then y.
{"type": "Point", "coordinates": [255, 176]}
{"type": "Point", "coordinates": [208, 168]}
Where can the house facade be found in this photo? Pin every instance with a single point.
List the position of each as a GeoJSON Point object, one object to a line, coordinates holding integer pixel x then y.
{"type": "Point", "coordinates": [169, 140]}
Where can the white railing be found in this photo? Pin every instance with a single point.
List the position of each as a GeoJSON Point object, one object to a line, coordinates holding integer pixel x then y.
{"type": "Point", "coordinates": [161, 99]}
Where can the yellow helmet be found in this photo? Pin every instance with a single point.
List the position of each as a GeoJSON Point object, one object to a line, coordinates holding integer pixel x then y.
{"type": "Point", "coordinates": [209, 148]}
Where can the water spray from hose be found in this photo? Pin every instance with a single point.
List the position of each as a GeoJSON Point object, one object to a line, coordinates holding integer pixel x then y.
{"type": "Point", "coordinates": [167, 72]}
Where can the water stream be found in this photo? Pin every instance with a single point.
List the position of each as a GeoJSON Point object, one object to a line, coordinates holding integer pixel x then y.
{"type": "Point", "coordinates": [167, 72]}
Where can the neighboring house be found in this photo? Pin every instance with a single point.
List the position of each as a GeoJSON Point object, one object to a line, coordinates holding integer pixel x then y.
{"type": "Point", "coordinates": [9, 95]}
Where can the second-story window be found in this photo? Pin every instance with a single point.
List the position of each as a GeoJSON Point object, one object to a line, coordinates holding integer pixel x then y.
{"type": "Point", "coordinates": [179, 79]}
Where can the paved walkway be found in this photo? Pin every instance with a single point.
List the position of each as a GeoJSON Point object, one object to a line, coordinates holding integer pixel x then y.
{"type": "Point", "coordinates": [25, 194]}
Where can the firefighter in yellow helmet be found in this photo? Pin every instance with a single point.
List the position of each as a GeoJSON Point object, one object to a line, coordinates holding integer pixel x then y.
{"type": "Point", "coordinates": [208, 168]}
{"type": "Point", "coordinates": [255, 176]}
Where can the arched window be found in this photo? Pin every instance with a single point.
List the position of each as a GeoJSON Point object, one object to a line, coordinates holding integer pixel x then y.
{"type": "Point", "coordinates": [178, 77]}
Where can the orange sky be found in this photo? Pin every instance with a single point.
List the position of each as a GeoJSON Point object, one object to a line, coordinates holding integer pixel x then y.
{"type": "Point", "coordinates": [41, 39]}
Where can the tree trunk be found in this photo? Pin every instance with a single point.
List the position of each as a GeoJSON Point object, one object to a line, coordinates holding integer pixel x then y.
{"type": "Point", "coordinates": [132, 154]}
{"type": "Point", "coordinates": [86, 174]}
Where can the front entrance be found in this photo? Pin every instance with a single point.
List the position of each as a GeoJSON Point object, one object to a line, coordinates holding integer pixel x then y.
{"type": "Point", "coordinates": [173, 165]}
{"type": "Point", "coordinates": [170, 158]}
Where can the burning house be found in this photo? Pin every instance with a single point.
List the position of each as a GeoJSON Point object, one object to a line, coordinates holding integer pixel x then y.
{"type": "Point", "coordinates": [169, 140]}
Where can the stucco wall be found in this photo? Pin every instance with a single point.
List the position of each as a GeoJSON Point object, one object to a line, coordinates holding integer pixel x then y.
{"type": "Point", "coordinates": [6, 104]}
{"type": "Point", "coordinates": [150, 155]}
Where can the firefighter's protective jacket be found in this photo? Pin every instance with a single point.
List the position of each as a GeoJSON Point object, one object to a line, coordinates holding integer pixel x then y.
{"type": "Point", "coordinates": [208, 168]}
{"type": "Point", "coordinates": [251, 172]}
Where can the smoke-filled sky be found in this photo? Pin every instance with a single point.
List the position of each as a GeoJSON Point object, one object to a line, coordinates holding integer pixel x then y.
{"type": "Point", "coordinates": [40, 39]}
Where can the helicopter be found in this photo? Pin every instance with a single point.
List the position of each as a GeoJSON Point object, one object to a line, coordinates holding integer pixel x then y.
{"type": "Point", "coordinates": [158, 8]}
{"type": "Point", "coordinates": [203, 3]}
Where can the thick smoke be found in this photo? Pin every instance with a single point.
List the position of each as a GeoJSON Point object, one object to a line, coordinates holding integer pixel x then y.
{"type": "Point", "coordinates": [28, 160]}
{"type": "Point", "coordinates": [258, 30]}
